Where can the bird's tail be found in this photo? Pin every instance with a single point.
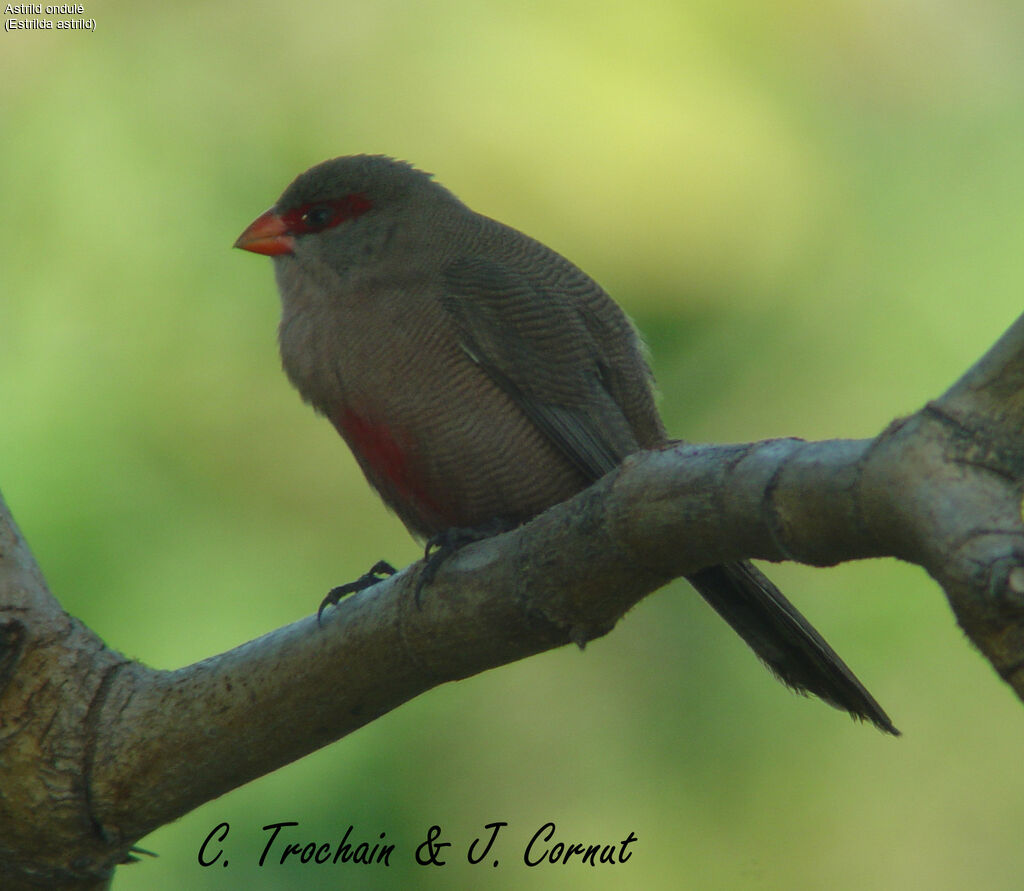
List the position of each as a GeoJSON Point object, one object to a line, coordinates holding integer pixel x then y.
{"type": "Point", "coordinates": [784, 640]}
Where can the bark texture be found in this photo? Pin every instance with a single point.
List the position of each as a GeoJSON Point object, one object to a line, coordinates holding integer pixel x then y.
{"type": "Point", "coordinates": [97, 750]}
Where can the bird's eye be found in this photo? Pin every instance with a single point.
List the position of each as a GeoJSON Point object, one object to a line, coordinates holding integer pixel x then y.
{"type": "Point", "coordinates": [308, 219]}
{"type": "Point", "coordinates": [319, 216]}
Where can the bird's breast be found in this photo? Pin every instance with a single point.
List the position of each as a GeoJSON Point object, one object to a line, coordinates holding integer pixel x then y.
{"type": "Point", "coordinates": [441, 443]}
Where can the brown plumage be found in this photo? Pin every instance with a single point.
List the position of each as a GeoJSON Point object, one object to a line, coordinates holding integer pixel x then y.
{"type": "Point", "coordinates": [479, 377]}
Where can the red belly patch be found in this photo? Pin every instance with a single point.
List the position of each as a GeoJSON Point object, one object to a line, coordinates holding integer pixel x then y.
{"type": "Point", "coordinates": [387, 454]}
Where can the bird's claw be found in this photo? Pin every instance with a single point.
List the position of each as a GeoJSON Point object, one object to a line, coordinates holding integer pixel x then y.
{"type": "Point", "coordinates": [377, 573]}
{"type": "Point", "coordinates": [445, 543]}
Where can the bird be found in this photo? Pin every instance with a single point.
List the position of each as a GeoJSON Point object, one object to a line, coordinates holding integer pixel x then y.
{"type": "Point", "coordinates": [479, 378]}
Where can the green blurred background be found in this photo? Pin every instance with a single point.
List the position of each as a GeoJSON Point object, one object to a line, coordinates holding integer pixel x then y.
{"type": "Point", "coordinates": [812, 208]}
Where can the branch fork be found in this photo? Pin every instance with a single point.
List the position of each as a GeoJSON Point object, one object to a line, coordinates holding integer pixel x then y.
{"type": "Point", "coordinates": [93, 745]}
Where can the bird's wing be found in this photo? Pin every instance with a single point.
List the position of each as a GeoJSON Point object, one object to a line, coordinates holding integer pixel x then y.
{"type": "Point", "coordinates": [550, 350]}
{"type": "Point", "coordinates": [536, 344]}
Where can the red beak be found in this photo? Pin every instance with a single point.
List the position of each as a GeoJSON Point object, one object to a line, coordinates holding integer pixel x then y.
{"type": "Point", "coordinates": [267, 234]}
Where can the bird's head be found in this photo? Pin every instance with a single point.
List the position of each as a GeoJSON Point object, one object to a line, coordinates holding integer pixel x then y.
{"type": "Point", "coordinates": [345, 212]}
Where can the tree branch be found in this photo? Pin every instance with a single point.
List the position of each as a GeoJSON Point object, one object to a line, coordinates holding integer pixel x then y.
{"type": "Point", "coordinates": [93, 744]}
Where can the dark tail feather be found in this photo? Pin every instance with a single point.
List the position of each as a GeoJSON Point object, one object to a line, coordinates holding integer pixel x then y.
{"type": "Point", "coordinates": [784, 640]}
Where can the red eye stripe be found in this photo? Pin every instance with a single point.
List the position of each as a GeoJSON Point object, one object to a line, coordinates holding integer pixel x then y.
{"type": "Point", "coordinates": [319, 215]}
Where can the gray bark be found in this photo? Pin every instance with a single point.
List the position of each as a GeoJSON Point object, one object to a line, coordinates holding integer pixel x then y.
{"type": "Point", "coordinates": [96, 750]}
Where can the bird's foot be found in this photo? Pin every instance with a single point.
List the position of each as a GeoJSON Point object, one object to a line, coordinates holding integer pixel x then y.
{"type": "Point", "coordinates": [447, 542]}
{"type": "Point", "coordinates": [377, 573]}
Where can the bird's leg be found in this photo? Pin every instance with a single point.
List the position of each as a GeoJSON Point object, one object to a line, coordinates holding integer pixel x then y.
{"type": "Point", "coordinates": [377, 573]}
{"type": "Point", "coordinates": [445, 543]}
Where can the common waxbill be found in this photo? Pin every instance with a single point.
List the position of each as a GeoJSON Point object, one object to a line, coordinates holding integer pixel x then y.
{"type": "Point", "coordinates": [479, 377]}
